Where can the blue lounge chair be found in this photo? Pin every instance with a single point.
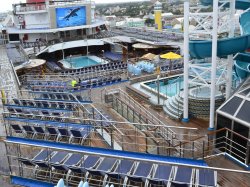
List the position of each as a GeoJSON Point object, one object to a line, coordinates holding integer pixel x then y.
{"type": "Point", "coordinates": [39, 104]}
{"type": "Point", "coordinates": [80, 134]}
{"type": "Point", "coordinates": [106, 165]}
{"type": "Point", "coordinates": [206, 178]}
{"type": "Point", "coordinates": [123, 169]}
{"type": "Point", "coordinates": [142, 171]}
{"type": "Point", "coordinates": [16, 128]}
{"type": "Point", "coordinates": [87, 163]}
{"type": "Point", "coordinates": [10, 109]}
{"type": "Point", "coordinates": [183, 177]}
{"type": "Point", "coordinates": [39, 130]}
{"type": "Point", "coordinates": [41, 156]}
{"type": "Point", "coordinates": [57, 160]}
{"type": "Point", "coordinates": [73, 160]}
{"type": "Point", "coordinates": [28, 129]}
{"type": "Point", "coordinates": [53, 132]}
{"type": "Point", "coordinates": [17, 102]}
{"type": "Point", "coordinates": [161, 175]}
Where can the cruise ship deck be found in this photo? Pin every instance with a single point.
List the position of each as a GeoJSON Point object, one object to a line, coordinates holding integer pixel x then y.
{"type": "Point", "coordinates": [82, 106]}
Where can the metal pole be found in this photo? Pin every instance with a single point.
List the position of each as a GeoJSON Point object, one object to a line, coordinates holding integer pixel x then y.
{"type": "Point", "coordinates": [158, 89]}
{"type": "Point", "coordinates": [186, 61]}
{"type": "Point", "coordinates": [230, 57]}
{"type": "Point", "coordinates": [63, 50]}
{"type": "Point", "coordinates": [87, 47]}
{"type": "Point", "coordinates": [214, 64]}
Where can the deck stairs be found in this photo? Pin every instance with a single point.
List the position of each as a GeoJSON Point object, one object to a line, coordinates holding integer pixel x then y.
{"type": "Point", "coordinates": [173, 107]}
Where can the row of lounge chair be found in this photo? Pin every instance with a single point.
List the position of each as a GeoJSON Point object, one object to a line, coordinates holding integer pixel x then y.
{"type": "Point", "coordinates": [46, 83]}
{"type": "Point", "coordinates": [91, 83]}
{"type": "Point", "coordinates": [41, 104]}
{"type": "Point", "coordinates": [40, 113]}
{"type": "Point", "coordinates": [149, 35]}
{"type": "Point", "coordinates": [126, 172]}
{"type": "Point", "coordinates": [50, 96]}
{"type": "Point", "coordinates": [174, 67]}
{"type": "Point", "coordinates": [99, 67]}
{"type": "Point", "coordinates": [113, 56]}
{"type": "Point", "coordinates": [70, 133]}
{"type": "Point", "coordinates": [100, 82]}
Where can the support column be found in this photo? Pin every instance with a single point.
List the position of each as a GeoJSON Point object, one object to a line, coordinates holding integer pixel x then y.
{"type": "Point", "coordinates": [230, 57]}
{"type": "Point", "coordinates": [229, 75]}
{"type": "Point", "coordinates": [186, 60]}
{"type": "Point", "coordinates": [214, 64]}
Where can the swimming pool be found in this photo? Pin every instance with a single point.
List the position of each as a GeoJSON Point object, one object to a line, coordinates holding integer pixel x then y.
{"type": "Point", "coordinates": [168, 86]}
{"type": "Point", "coordinates": [81, 61]}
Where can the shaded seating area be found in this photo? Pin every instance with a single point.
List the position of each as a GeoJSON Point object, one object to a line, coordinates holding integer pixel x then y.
{"type": "Point", "coordinates": [100, 67]}
{"type": "Point", "coordinates": [53, 66]}
{"type": "Point", "coordinates": [113, 56]}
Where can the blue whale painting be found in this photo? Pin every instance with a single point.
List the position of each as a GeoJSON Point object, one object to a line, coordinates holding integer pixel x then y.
{"type": "Point", "coordinates": [70, 16]}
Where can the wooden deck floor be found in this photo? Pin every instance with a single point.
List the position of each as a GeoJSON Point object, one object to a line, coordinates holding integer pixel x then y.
{"type": "Point", "coordinates": [229, 179]}
{"type": "Point", "coordinates": [225, 179]}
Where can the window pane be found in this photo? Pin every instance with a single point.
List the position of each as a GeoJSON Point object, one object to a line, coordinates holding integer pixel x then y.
{"type": "Point", "coordinates": [231, 106]}
{"type": "Point", "coordinates": [244, 113]}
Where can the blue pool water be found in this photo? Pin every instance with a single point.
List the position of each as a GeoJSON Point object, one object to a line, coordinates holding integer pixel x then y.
{"type": "Point", "coordinates": [82, 61]}
{"type": "Point", "coordinates": [168, 86]}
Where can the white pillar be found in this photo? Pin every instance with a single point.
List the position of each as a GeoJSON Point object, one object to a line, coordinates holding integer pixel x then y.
{"type": "Point", "coordinates": [214, 64]}
{"type": "Point", "coordinates": [230, 57]}
{"type": "Point", "coordinates": [186, 60]}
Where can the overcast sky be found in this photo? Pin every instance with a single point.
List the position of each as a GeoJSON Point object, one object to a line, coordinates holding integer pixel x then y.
{"type": "Point", "coordinates": [7, 4]}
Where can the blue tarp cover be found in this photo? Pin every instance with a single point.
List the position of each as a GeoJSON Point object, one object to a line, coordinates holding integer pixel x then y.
{"type": "Point", "coordinates": [29, 182]}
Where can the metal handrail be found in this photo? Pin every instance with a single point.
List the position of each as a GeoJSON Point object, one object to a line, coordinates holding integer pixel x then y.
{"type": "Point", "coordinates": [147, 112]}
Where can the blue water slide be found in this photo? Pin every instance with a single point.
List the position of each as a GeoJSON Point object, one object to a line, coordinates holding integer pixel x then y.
{"type": "Point", "coordinates": [200, 49]}
{"type": "Point", "coordinates": [203, 48]}
{"type": "Point", "coordinates": [242, 60]}
{"type": "Point", "coordinates": [239, 4]}
{"type": "Point", "coordinates": [245, 22]}
{"type": "Point", "coordinates": [242, 65]}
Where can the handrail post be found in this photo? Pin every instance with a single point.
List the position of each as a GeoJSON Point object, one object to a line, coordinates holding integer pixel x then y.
{"type": "Point", "coordinates": [247, 152]}
{"type": "Point", "coordinates": [193, 149]}
{"type": "Point", "coordinates": [203, 149]}
{"type": "Point", "coordinates": [180, 149]}
{"type": "Point", "coordinates": [226, 142]}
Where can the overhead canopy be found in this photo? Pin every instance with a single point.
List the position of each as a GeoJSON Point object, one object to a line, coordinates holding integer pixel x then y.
{"type": "Point", "coordinates": [32, 63]}
{"type": "Point", "coordinates": [148, 56]}
{"type": "Point", "coordinates": [237, 107]}
{"type": "Point", "coordinates": [171, 56]}
{"type": "Point", "coordinates": [35, 63]}
{"type": "Point", "coordinates": [144, 46]}
{"type": "Point", "coordinates": [72, 44]}
{"type": "Point", "coordinates": [117, 39]}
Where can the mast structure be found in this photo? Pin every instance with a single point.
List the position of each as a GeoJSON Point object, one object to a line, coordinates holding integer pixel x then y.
{"type": "Point", "coordinates": [210, 72]}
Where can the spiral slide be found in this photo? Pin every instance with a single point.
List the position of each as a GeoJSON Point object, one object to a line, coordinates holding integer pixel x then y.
{"type": "Point", "coordinates": [242, 60]}
{"type": "Point", "coordinates": [200, 49]}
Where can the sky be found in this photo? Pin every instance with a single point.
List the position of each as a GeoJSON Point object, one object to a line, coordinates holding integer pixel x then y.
{"type": "Point", "coordinates": [7, 4]}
